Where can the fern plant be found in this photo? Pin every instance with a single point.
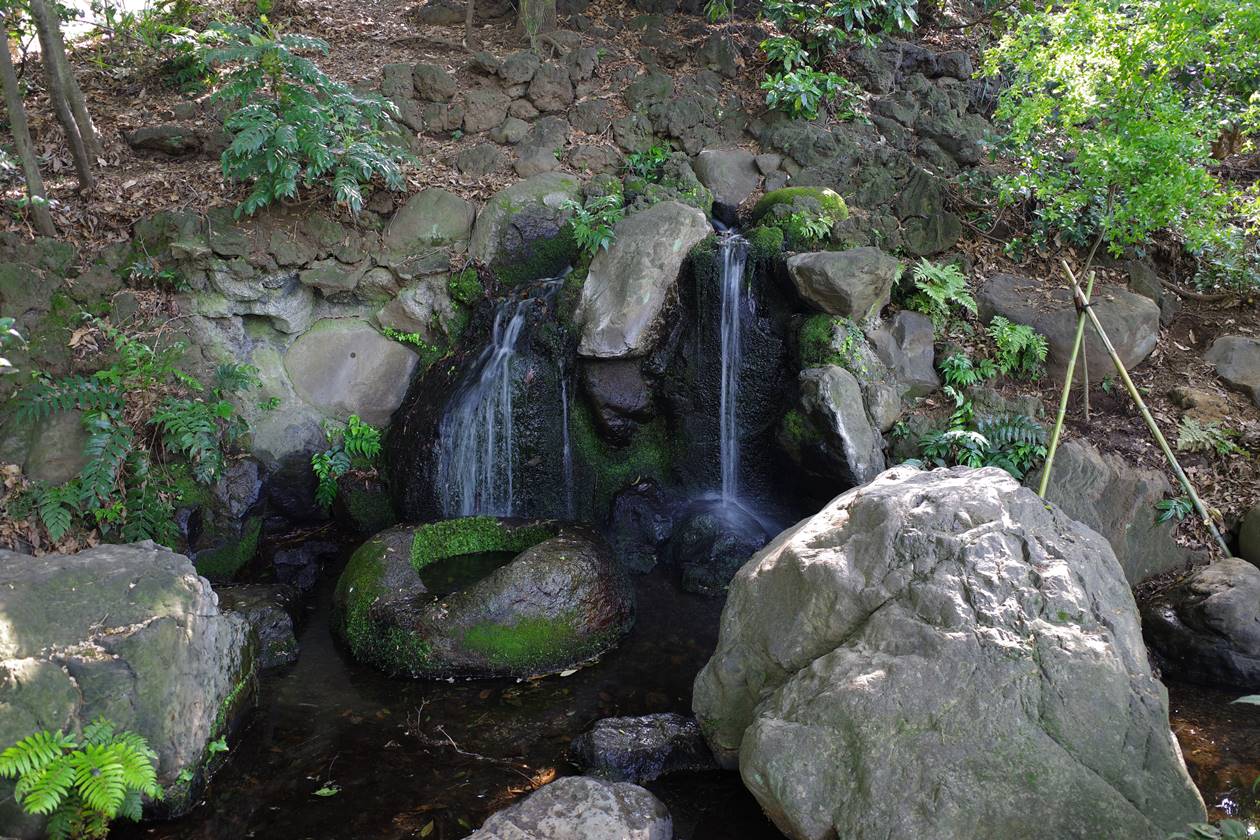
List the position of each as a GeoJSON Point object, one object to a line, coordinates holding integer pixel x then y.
{"type": "Point", "coordinates": [592, 223]}
{"type": "Point", "coordinates": [1021, 350]}
{"type": "Point", "coordinates": [1193, 436]}
{"type": "Point", "coordinates": [959, 371]}
{"type": "Point", "coordinates": [142, 415]}
{"type": "Point", "coordinates": [296, 128]}
{"type": "Point", "coordinates": [82, 784]}
{"type": "Point", "coordinates": [1013, 442]}
{"type": "Point", "coordinates": [941, 292]}
{"type": "Point", "coordinates": [357, 446]}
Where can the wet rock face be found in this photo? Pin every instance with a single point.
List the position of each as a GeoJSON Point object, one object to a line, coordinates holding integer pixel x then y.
{"type": "Point", "coordinates": [642, 749]}
{"type": "Point", "coordinates": [482, 597]}
{"type": "Point", "coordinates": [516, 222]}
{"type": "Point", "coordinates": [1207, 628]}
{"type": "Point", "coordinates": [641, 519]}
{"type": "Point", "coordinates": [271, 610]}
{"type": "Point", "coordinates": [620, 395]}
{"type": "Point", "coordinates": [125, 631]}
{"type": "Point", "coordinates": [841, 441]}
{"type": "Point", "coordinates": [1131, 321]}
{"type": "Point", "coordinates": [943, 631]}
{"type": "Point", "coordinates": [710, 544]}
{"type": "Point", "coordinates": [581, 808]}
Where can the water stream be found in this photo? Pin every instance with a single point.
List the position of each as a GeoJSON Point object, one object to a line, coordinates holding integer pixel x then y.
{"type": "Point", "coordinates": [733, 253]}
{"type": "Point", "coordinates": [476, 457]}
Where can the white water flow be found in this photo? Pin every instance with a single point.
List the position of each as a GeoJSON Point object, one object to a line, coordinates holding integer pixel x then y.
{"type": "Point", "coordinates": [476, 459]}
{"type": "Point", "coordinates": [569, 509]}
{"type": "Point", "coordinates": [733, 251]}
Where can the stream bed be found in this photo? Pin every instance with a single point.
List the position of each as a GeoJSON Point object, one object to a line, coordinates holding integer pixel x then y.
{"type": "Point", "coordinates": [339, 750]}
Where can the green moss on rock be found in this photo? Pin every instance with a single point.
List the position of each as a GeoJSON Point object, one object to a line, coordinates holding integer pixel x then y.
{"type": "Point", "coordinates": [829, 200]}
{"type": "Point", "coordinates": [522, 645]}
{"type": "Point", "coordinates": [648, 455]}
{"type": "Point", "coordinates": [370, 509]}
{"type": "Point", "coordinates": [766, 242]}
{"type": "Point", "coordinates": [223, 563]}
{"type": "Point", "coordinates": [473, 535]}
{"type": "Point", "coordinates": [465, 287]}
{"type": "Point", "coordinates": [546, 258]}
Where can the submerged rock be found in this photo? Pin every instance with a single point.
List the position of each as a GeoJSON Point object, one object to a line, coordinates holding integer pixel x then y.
{"type": "Point", "coordinates": [482, 597]}
{"type": "Point", "coordinates": [125, 631]}
{"type": "Point", "coordinates": [1206, 629]}
{"type": "Point", "coordinates": [641, 749]}
{"type": "Point", "coordinates": [948, 634]}
{"type": "Point", "coordinates": [581, 808]}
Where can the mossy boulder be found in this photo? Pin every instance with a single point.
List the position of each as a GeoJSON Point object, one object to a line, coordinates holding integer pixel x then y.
{"type": "Point", "coordinates": [829, 200]}
{"type": "Point", "coordinates": [520, 233]}
{"type": "Point", "coordinates": [482, 597]}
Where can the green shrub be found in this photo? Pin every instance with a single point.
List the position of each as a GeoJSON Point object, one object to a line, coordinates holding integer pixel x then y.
{"type": "Point", "coordinates": [941, 292]}
{"type": "Point", "coordinates": [123, 490]}
{"type": "Point", "coordinates": [294, 127]}
{"type": "Point", "coordinates": [1021, 350]}
{"type": "Point", "coordinates": [959, 371]}
{"type": "Point", "coordinates": [829, 200]}
{"type": "Point", "coordinates": [802, 93]}
{"type": "Point", "coordinates": [592, 222]}
{"type": "Point", "coordinates": [356, 446]}
{"type": "Point", "coordinates": [648, 164]}
{"type": "Point", "coordinates": [823, 26]}
{"type": "Point", "coordinates": [82, 784]}
{"type": "Point", "coordinates": [1013, 442]}
{"type": "Point", "coordinates": [828, 340]}
{"type": "Point", "coordinates": [1113, 109]}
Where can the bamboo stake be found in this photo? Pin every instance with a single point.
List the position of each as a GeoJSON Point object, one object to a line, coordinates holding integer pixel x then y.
{"type": "Point", "coordinates": [1083, 304]}
{"type": "Point", "coordinates": [1067, 387]}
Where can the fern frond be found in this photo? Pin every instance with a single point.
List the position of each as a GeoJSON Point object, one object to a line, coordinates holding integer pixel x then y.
{"type": "Point", "coordinates": [34, 753]}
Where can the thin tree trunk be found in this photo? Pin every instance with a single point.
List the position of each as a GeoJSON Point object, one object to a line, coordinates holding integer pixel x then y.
{"type": "Point", "coordinates": [70, 82]}
{"type": "Point", "coordinates": [44, 25]}
{"type": "Point", "coordinates": [469, 10]}
{"type": "Point", "coordinates": [22, 140]}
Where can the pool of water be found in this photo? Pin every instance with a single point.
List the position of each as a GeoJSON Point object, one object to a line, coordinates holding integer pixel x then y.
{"type": "Point", "coordinates": [1220, 740]}
{"type": "Point", "coordinates": [398, 758]}
{"type": "Point", "coordinates": [452, 574]}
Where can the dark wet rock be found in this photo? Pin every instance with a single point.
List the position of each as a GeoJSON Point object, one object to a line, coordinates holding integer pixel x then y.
{"type": "Point", "coordinates": [299, 567]}
{"type": "Point", "coordinates": [619, 394]}
{"type": "Point", "coordinates": [1131, 321]}
{"type": "Point", "coordinates": [832, 438]}
{"type": "Point", "coordinates": [578, 808]}
{"type": "Point", "coordinates": [1206, 629]}
{"type": "Point", "coordinates": [514, 224]}
{"type": "Point", "coordinates": [480, 160]}
{"type": "Point", "coordinates": [1249, 536]}
{"type": "Point", "coordinates": [484, 109]}
{"type": "Point", "coordinates": [1116, 499]}
{"type": "Point", "coordinates": [641, 749]}
{"type": "Point", "coordinates": [878, 637]}
{"type": "Point", "coordinates": [130, 632]}
{"type": "Point", "coordinates": [730, 174]}
{"type": "Point", "coordinates": [433, 84]}
{"type": "Point", "coordinates": [482, 597]}
{"type": "Point", "coordinates": [519, 67]}
{"type": "Point", "coordinates": [854, 284]}
{"type": "Point", "coordinates": [711, 542]}
{"type": "Point", "coordinates": [550, 89]}
{"type": "Point", "coordinates": [178, 140]}
{"type": "Point", "coordinates": [639, 523]}
{"type": "Point", "coordinates": [1237, 361]}
{"type": "Point", "coordinates": [629, 283]}
{"type": "Point", "coordinates": [539, 150]}
{"type": "Point", "coordinates": [272, 610]}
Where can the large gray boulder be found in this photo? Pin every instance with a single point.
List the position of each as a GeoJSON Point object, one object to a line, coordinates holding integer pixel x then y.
{"type": "Point", "coordinates": [730, 174]}
{"type": "Point", "coordinates": [1237, 361]}
{"type": "Point", "coordinates": [235, 288]}
{"type": "Point", "coordinates": [854, 284]}
{"type": "Point", "coordinates": [906, 346]}
{"type": "Point", "coordinates": [431, 219]}
{"type": "Point", "coordinates": [629, 284]}
{"type": "Point", "coordinates": [515, 225]}
{"type": "Point", "coordinates": [129, 632]}
{"type": "Point", "coordinates": [1116, 499]}
{"type": "Point", "coordinates": [343, 366]}
{"type": "Point", "coordinates": [941, 654]}
{"type": "Point", "coordinates": [1131, 321]}
{"type": "Point", "coordinates": [581, 808]}
{"type": "Point", "coordinates": [1206, 629]}
{"type": "Point", "coordinates": [832, 399]}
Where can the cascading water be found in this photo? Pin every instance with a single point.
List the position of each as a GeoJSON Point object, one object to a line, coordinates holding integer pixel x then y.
{"type": "Point", "coordinates": [569, 508]}
{"type": "Point", "coordinates": [733, 252]}
{"type": "Point", "coordinates": [476, 457]}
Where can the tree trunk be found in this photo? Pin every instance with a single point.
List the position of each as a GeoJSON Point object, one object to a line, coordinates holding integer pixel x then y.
{"type": "Point", "coordinates": [45, 27]}
{"type": "Point", "coordinates": [469, 10]}
{"type": "Point", "coordinates": [536, 17]}
{"type": "Point", "coordinates": [78, 106]}
{"type": "Point", "coordinates": [22, 140]}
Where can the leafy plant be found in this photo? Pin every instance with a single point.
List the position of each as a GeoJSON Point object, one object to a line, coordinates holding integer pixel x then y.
{"type": "Point", "coordinates": [719, 10]}
{"type": "Point", "coordinates": [786, 51]}
{"type": "Point", "coordinates": [1193, 436]}
{"type": "Point", "coordinates": [823, 26]}
{"type": "Point", "coordinates": [959, 371]}
{"type": "Point", "coordinates": [1169, 509]}
{"type": "Point", "coordinates": [648, 164]}
{"type": "Point", "coordinates": [1021, 350]}
{"type": "Point", "coordinates": [82, 784]}
{"type": "Point", "coordinates": [828, 340]}
{"type": "Point", "coordinates": [1224, 830]}
{"type": "Point", "coordinates": [802, 92]}
{"type": "Point", "coordinates": [1013, 442]}
{"type": "Point", "coordinates": [592, 222]}
{"type": "Point", "coordinates": [940, 292]}
{"type": "Point", "coordinates": [356, 446]}
{"type": "Point", "coordinates": [139, 412]}
{"type": "Point", "coordinates": [1118, 110]}
{"type": "Point", "coordinates": [294, 127]}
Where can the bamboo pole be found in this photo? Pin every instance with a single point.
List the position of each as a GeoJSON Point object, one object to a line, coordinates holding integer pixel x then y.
{"type": "Point", "coordinates": [1067, 386]}
{"type": "Point", "coordinates": [1084, 305]}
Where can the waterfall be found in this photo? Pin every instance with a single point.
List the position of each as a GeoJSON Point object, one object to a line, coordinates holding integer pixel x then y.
{"type": "Point", "coordinates": [733, 251]}
{"type": "Point", "coordinates": [569, 509]}
{"type": "Point", "coordinates": [475, 464]}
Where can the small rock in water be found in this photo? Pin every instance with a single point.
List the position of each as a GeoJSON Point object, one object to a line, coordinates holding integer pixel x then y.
{"type": "Point", "coordinates": [641, 749]}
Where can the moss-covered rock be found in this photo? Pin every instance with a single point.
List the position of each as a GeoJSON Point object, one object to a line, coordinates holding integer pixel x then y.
{"type": "Point", "coordinates": [223, 562]}
{"type": "Point", "coordinates": [829, 200]}
{"type": "Point", "coordinates": [482, 597]}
